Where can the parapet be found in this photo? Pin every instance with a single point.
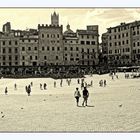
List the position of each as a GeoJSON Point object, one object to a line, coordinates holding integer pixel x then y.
{"type": "Point", "coordinates": [40, 26]}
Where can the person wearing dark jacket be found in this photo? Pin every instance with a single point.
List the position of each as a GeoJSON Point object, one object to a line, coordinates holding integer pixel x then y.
{"type": "Point", "coordinates": [29, 90]}
{"type": "Point", "coordinates": [85, 96]}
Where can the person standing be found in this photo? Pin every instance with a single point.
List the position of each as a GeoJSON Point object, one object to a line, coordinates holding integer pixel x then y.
{"type": "Point", "coordinates": [77, 95]}
{"type": "Point", "coordinates": [104, 83]}
{"type": "Point", "coordinates": [15, 86]}
{"type": "Point", "coordinates": [45, 86]}
{"type": "Point", "coordinates": [85, 96]}
{"type": "Point", "coordinates": [54, 84]}
{"type": "Point", "coordinates": [91, 83]}
{"type": "Point", "coordinates": [31, 84]}
{"type": "Point", "coordinates": [82, 85]}
{"type": "Point", "coordinates": [6, 91]}
{"type": "Point", "coordinates": [26, 88]}
{"type": "Point", "coordinates": [40, 86]}
{"type": "Point", "coordinates": [61, 82]}
{"type": "Point", "coordinates": [78, 81]}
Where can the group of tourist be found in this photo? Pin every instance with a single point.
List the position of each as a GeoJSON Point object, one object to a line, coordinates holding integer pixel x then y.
{"type": "Point", "coordinates": [77, 95]}
{"type": "Point", "coordinates": [43, 86]}
{"type": "Point", "coordinates": [102, 83]}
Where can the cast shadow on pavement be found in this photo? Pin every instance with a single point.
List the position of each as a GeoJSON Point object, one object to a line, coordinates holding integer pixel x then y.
{"type": "Point", "coordinates": [87, 106]}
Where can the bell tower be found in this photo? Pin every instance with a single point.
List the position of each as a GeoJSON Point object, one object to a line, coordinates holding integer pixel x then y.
{"type": "Point", "coordinates": [55, 19]}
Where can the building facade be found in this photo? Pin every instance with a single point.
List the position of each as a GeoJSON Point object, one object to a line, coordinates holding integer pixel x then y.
{"type": "Point", "coordinates": [81, 47]}
{"type": "Point", "coordinates": [49, 45]}
{"type": "Point", "coordinates": [121, 44]}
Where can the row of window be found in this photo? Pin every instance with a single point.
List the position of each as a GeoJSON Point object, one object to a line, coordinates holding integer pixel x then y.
{"type": "Point", "coordinates": [136, 51]}
{"type": "Point", "coordinates": [31, 57]}
{"type": "Point", "coordinates": [136, 33]}
{"type": "Point", "coordinates": [10, 63]}
{"type": "Point", "coordinates": [72, 54]}
{"type": "Point", "coordinates": [72, 59]}
{"type": "Point", "coordinates": [87, 36]}
{"type": "Point", "coordinates": [87, 43]}
{"type": "Point", "coordinates": [118, 36]}
{"type": "Point", "coordinates": [118, 29]}
{"type": "Point", "coordinates": [125, 50]}
{"type": "Point", "coordinates": [29, 40]}
{"type": "Point", "coordinates": [82, 50]}
{"type": "Point", "coordinates": [58, 49]}
{"type": "Point", "coordinates": [10, 42]}
{"type": "Point", "coordinates": [119, 43]}
{"type": "Point", "coordinates": [50, 35]}
{"type": "Point", "coordinates": [9, 50]}
{"type": "Point", "coordinates": [136, 27]}
{"type": "Point", "coordinates": [10, 57]}
{"type": "Point", "coordinates": [82, 42]}
{"type": "Point", "coordinates": [119, 51]}
{"type": "Point", "coordinates": [112, 58]}
{"type": "Point", "coordinates": [35, 57]}
{"type": "Point", "coordinates": [48, 48]}
{"type": "Point", "coordinates": [29, 49]}
{"type": "Point", "coordinates": [66, 41]}
{"type": "Point", "coordinates": [136, 44]}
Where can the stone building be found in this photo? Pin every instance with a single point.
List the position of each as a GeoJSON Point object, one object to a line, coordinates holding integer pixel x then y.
{"type": "Point", "coordinates": [48, 45]}
{"type": "Point", "coordinates": [122, 44]}
{"type": "Point", "coordinates": [81, 48]}
{"type": "Point", "coordinates": [135, 32]}
{"type": "Point", "coordinates": [89, 45]}
{"type": "Point", "coordinates": [28, 47]}
{"type": "Point", "coordinates": [51, 42]}
{"type": "Point", "coordinates": [104, 47]}
{"type": "Point", "coordinates": [71, 47]}
{"type": "Point", "coordinates": [9, 49]}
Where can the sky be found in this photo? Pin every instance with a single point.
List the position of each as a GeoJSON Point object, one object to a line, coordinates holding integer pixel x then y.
{"type": "Point", "coordinates": [78, 18]}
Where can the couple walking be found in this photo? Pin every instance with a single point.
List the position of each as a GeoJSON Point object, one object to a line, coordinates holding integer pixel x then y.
{"type": "Point", "coordinates": [77, 95]}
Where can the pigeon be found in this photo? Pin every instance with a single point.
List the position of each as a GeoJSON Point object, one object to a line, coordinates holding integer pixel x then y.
{"type": "Point", "coordinates": [3, 116]}
{"type": "Point", "coordinates": [21, 107]}
{"type": "Point", "coordinates": [120, 105]}
{"type": "Point", "coordinates": [1, 112]}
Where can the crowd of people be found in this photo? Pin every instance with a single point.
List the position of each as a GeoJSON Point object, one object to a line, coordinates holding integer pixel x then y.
{"type": "Point", "coordinates": [81, 82]}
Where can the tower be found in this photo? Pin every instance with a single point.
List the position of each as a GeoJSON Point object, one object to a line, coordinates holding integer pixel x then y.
{"type": "Point", "coordinates": [6, 27]}
{"type": "Point", "coordinates": [55, 19]}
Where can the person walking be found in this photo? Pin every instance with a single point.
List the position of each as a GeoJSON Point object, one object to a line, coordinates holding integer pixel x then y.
{"type": "Point", "coordinates": [78, 81]}
{"type": "Point", "coordinates": [85, 96]}
{"type": "Point", "coordinates": [77, 95]}
{"type": "Point", "coordinates": [6, 91]}
{"type": "Point", "coordinates": [26, 88]}
{"type": "Point", "coordinates": [29, 90]}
